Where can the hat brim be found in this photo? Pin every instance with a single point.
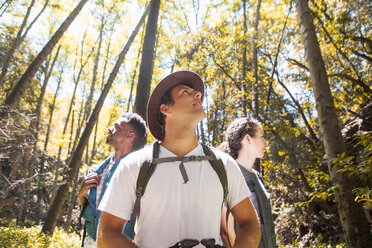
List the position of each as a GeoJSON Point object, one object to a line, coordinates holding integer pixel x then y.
{"type": "Point", "coordinates": [176, 78]}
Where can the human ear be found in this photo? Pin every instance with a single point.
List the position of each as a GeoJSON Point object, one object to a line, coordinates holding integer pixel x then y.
{"type": "Point", "coordinates": [164, 109]}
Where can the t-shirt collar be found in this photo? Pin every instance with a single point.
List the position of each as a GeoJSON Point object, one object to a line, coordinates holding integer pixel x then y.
{"type": "Point", "coordinates": [164, 152]}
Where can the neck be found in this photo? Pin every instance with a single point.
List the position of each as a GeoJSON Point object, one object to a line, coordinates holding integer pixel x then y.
{"type": "Point", "coordinates": [121, 152]}
{"type": "Point", "coordinates": [246, 161]}
{"type": "Point", "coordinates": [180, 141]}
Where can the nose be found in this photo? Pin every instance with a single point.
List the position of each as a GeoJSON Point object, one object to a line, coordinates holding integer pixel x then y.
{"type": "Point", "coordinates": [197, 94]}
{"type": "Point", "coordinates": [110, 130]}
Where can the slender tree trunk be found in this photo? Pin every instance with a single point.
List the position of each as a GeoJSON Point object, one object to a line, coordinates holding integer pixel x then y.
{"type": "Point", "coordinates": [4, 6]}
{"type": "Point", "coordinates": [41, 183]}
{"type": "Point", "coordinates": [255, 105]}
{"type": "Point", "coordinates": [354, 223]}
{"type": "Point", "coordinates": [56, 171]}
{"type": "Point", "coordinates": [299, 108]}
{"type": "Point", "coordinates": [48, 72]}
{"type": "Point", "coordinates": [13, 98]}
{"type": "Point", "coordinates": [244, 64]}
{"type": "Point", "coordinates": [70, 142]}
{"type": "Point", "coordinates": [275, 63]}
{"type": "Point", "coordinates": [134, 73]}
{"type": "Point", "coordinates": [80, 123]}
{"type": "Point", "coordinates": [80, 120]}
{"type": "Point", "coordinates": [71, 202]}
{"type": "Point", "coordinates": [88, 106]}
{"type": "Point", "coordinates": [147, 63]}
{"type": "Point", "coordinates": [95, 145]}
{"type": "Point", "coordinates": [72, 102]}
{"type": "Point", "coordinates": [55, 208]}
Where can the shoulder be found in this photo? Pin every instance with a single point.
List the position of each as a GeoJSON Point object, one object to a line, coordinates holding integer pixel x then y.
{"type": "Point", "coordinates": [226, 158]}
{"type": "Point", "coordinates": [138, 157]}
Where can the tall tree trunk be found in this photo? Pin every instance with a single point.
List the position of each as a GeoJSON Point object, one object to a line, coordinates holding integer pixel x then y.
{"type": "Point", "coordinates": [70, 142]}
{"type": "Point", "coordinates": [147, 63]}
{"type": "Point", "coordinates": [299, 108]}
{"type": "Point", "coordinates": [41, 170]}
{"type": "Point", "coordinates": [255, 105]}
{"type": "Point", "coordinates": [95, 145]}
{"type": "Point", "coordinates": [80, 123]}
{"type": "Point", "coordinates": [55, 208]}
{"type": "Point", "coordinates": [71, 202]}
{"type": "Point", "coordinates": [275, 63]}
{"type": "Point", "coordinates": [135, 73]}
{"type": "Point", "coordinates": [88, 106]}
{"type": "Point", "coordinates": [14, 96]}
{"type": "Point", "coordinates": [56, 170]}
{"type": "Point", "coordinates": [4, 6]}
{"type": "Point", "coordinates": [76, 79]}
{"type": "Point", "coordinates": [244, 64]}
{"type": "Point", "coordinates": [354, 223]}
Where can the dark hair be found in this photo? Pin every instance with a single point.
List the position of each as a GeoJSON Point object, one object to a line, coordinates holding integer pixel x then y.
{"type": "Point", "coordinates": [139, 126]}
{"type": "Point", "coordinates": [166, 99]}
{"type": "Point", "coordinates": [236, 132]}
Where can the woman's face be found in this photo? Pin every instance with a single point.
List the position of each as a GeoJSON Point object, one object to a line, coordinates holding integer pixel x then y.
{"type": "Point", "coordinates": [258, 144]}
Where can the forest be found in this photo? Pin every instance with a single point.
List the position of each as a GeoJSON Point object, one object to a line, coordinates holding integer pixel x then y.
{"type": "Point", "coordinates": [303, 68]}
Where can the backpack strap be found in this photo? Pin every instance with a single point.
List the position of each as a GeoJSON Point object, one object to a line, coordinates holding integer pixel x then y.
{"type": "Point", "coordinates": [148, 168]}
{"type": "Point", "coordinates": [219, 168]}
{"type": "Point", "coordinates": [146, 171]}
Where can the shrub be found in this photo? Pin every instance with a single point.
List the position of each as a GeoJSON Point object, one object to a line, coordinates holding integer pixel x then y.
{"type": "Point", "coordinates": [31, 237]}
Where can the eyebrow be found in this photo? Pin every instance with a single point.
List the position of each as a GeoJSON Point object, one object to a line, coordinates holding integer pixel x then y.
{"type": "Point", "coordinates": [184, 86]}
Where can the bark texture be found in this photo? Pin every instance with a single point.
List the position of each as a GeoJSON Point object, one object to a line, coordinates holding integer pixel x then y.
{"type": "Point", "coordinates": [147, 61]}
{"type": "Point", "coordinates": [354, 223]}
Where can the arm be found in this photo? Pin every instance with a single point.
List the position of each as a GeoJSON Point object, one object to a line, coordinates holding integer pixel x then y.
{"type": "Point", "coordinates": [110, 234]}
{"type": "Point", "coordinates": [91, 180]}
{"type": "Point", "coordinates": [227, 235]}
{"type": "Point", "coordinates": [249, 233]}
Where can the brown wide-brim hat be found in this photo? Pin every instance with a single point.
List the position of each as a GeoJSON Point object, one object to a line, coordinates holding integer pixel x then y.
{"type": "Point", "coordinates": [176, 78]}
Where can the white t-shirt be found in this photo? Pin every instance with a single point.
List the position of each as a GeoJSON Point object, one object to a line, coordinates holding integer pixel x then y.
{"type": "Point", "coordinates": [171, 210]}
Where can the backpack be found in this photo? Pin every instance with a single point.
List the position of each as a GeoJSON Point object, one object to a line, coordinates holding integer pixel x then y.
{"type": "Point", "coordinates": [148, 168]}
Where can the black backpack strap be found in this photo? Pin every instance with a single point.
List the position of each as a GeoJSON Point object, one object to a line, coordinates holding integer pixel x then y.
{"type": "Point", "coordinates": [219, 168]}
{"type": "Point", "coordinates": [146, 171]}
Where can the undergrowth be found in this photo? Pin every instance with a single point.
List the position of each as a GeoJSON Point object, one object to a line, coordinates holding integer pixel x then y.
{"type": "Point", "coordinates": [30, 237]}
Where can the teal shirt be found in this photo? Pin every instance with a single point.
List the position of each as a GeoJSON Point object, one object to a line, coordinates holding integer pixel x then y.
{"type": "Point", "coordinates": [90, 213]}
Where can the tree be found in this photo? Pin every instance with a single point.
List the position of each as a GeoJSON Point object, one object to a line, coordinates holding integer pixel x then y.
{"type": "Point", "coordinates": [147, 61]}
{"type": "Point", "coordinates": [255, 105]}
{"type": "Point", "coordinates": [354, 223]}
{"type": "Point", "coordinates": [55, 208]}
{"type": "Point", "coordinates": [13, 98]}
{"type": "Point", "coordinates": [19, 39]}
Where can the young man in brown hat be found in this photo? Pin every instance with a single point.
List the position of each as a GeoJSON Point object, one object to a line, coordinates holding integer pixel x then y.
{"type": "Point", "coordinates": [183, 198]}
